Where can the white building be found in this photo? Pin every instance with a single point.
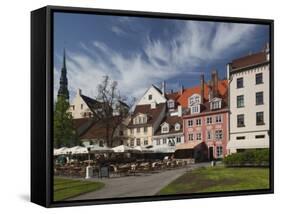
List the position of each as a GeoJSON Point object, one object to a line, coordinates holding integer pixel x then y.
{"type": "Point", "coordinates": [83, 106]}
{"type": "Point", "coordinates": [249, 99]}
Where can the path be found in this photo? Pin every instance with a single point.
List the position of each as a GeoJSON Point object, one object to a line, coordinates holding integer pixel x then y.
{"type": "Point", "coordinates": [139, 185]}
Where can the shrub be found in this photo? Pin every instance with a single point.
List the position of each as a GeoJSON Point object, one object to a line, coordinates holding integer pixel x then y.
{"type": "Point", "coordinates": [253, 157]}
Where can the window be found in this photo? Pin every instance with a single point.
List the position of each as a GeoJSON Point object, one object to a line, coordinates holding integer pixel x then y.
{"type": "Point", "coordinates": [240, 120]}
{"type": "Point", "coordinates": [190, 123]}
{"type": "Point", "coordinates": [132, 131]}
{"type": "Point", "coordinates": [219, 151]}
{"type": "Point", "coordinates": [259, 118]}
{"type": "Point", "coordinates": [218, 119]}
{"type": "Point", "coordinates": [218, 134]}
{"type": "Point", "coordinates": [198, 136]}
{"type": "Point", "coordinates": [240, 138]}
{"type": "Point", "coordinates": [144, 129]}
{"type": "Point", "coordinates": [177, 126]}
{"type": "Point", "coordinates": [138, 130]}
{"type": "Point", "coordinates": [178, 139]}
{"type": "Point", "coordinates": [209, 120]}
{"type": "Point", "coordinates": [171, 104]}
{"type": "Point", "coordinates": [158, 142]}
{"type": "Point", "coordinates": [145, 142]}
{"type": "Point", "coordinates": [121, 133]}
{"type": "Point", "coordinates": [150, 97]}
{"type": "Point", "coordinates": [138, 142]}
{"type": "Point", "coordinates": [215, 105]}
{"type": "Point", "coordinates": [259, 136]}
{"type": "Point", "coordinates": [190, 137]}
{"type": "Point", "coordinates": [240, 101]}
{"type": "Point", "coordinates": [165, 128]}
{"type": "Point", "coordinates": [132, 143]}
{"type": "Point", "coordinates": [164, 140]}
{"type": "Point", "coordinates": [81, 106]}
{"type": "Point", "coordinates": [259, 98]}
{"type": "Point", "coordinates": [259, 79]}
{"type": "Point", "coordinates": [209, 135]}
{"type": "Point", "coordinates": [240, 83]}
{"type": "Point", "coordinates": [139, 120]}
{"type": "Point", "coordinates": [195, 109]}
{"type": "Point", "coordinates": [198, 122]}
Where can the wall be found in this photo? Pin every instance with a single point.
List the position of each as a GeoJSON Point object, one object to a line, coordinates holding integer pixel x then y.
{"type": "Point", "coordinates": [15, 50]}
{"type": "Point", "coordinates": [249, 110]}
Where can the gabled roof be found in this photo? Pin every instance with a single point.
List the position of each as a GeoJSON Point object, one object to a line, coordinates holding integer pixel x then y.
{"type": "Point", "coordinates": [172, 121]}
{"type": "Point", "coordinates": [152, 114]}
{"type": "Point", "coordinates": [91, 103]}
{"type": "Point", "coordinates": [157, 89]}
{"type": "Point", "coordinates": [250, 60]}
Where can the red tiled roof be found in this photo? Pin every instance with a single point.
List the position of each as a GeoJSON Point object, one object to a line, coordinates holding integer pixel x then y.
{"type": "Point", "coordinates": [222, 89]}
{"type": "Point", "coordinates": [151, 113]}
{"type": "Point", "coordinates": [249, 60]}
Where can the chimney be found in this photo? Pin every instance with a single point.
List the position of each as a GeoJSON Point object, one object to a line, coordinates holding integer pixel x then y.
{"type": "Point", "coordinates": [228, 68]}
{"type": "Point", "coordinates": [210, 90]}
{"type": "Point", "coordinates": [79, 92]}
{"type": "Point", "coordinates": [202, 83]}
{"type": "Point", "coordinates": [163, 88]}
{"type": "Point", "coordinates": [214, 83]}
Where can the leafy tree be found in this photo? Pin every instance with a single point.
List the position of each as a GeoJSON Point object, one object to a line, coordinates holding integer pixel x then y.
{"type": "Point", "coordinates": [64, 134]}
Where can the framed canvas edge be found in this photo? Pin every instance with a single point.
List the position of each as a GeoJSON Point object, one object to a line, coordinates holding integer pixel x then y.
{"type": "Point", "coordinates": [49, 105]}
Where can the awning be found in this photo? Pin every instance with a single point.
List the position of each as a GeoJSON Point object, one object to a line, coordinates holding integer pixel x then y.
{"type": "Point", "coordinates": [187, 145]}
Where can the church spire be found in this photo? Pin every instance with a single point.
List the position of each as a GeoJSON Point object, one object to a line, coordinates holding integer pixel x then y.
{"type": "Point", "coordinates": [63, 90]}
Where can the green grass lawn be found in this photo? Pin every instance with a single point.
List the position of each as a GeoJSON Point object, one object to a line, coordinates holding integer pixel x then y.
{"type": "Point", "coordinates": [67, 188]}
{"type": "Point", "coordinates": [217, 179]}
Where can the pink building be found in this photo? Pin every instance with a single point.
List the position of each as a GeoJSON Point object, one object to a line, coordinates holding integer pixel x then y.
{"type": "Point", "coordinates": [209, 127]}
{"type": "Point", "coordinates": [205, 122]}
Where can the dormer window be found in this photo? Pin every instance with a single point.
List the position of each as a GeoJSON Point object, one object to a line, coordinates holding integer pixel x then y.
{"type": "Point", "coordinates": [140, 119]}
{"type": "Point", "coordinates": [195, 99]}
{"type": "Point", "coordinates": [171, 104]}
{"type": "Point", "coordinates": [150, 97]}
{"type": "Point", "coordinates": [195, 109]}
{"type": "Point", "coordinates": [165, 128]}
{"type": "Point", "coordinates": [215, 104]}
{"type": "Point", "coordinates": [177, 126]}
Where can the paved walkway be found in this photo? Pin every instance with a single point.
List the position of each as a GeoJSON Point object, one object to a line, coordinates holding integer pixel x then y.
{"type": "Point", "coordinates": [138, 185]}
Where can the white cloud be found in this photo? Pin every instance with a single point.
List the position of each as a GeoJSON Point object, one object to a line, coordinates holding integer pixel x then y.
{"type": "Point", "coordinates": [118, 31]}
{"type": "Point", "coordinates": [195, 43]}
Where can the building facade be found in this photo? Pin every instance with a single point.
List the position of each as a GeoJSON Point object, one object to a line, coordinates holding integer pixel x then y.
{"type": "Point", "coordinates": [249, 102]}
{"type": "Point", "coordinates": [206, 118]}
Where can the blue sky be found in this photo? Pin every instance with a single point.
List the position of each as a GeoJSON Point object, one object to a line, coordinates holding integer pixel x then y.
{"type": "Point", "coordinates": [138, 52]}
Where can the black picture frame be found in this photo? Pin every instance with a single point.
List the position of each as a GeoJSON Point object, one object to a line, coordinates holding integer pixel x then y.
{"type": "Point", "coordinates": [42, 104]}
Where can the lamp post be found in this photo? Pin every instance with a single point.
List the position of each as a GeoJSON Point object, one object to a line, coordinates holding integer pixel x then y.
{"type": "Point", "coordinates": [89, 168]}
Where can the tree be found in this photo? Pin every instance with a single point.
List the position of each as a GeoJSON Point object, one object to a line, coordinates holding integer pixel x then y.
{"type": "Point", "coordinates": [113, 109]}
{"type": "Point", "coordinates": [64, 134]}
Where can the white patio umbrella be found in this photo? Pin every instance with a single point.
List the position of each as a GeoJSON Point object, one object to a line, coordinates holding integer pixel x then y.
{"type": "Point", "coordinates": [60, 151]}
{"type": "Point", "coordinates": [143, 149]}
{"type": "Point", "coordinates": [99, 149]}
{"type": "Point", "coordinates": [78, 150]}
{"type": "Point", "coordinates": [123, 148]}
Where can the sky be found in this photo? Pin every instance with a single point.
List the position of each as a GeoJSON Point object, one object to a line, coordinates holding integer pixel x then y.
{"type": "Point", "coordinates": [137, 52]}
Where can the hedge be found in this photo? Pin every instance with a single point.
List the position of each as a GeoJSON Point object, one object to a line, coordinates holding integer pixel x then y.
{"type": "Point", "coordinates": [253, 157]}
